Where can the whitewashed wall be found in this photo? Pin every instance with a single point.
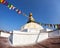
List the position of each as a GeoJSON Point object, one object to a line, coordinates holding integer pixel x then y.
{"type": "Point", "coordinates": [4, 34]}
{"type": "Point", "coordinates": [26, 38]}
{"type": "Point", "coordinates": [43, 36]}
{"type": "Point", "coordinates": [54, 34]}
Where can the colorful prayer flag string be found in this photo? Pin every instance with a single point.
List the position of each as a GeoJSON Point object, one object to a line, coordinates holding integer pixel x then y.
{"type": "Point", "coordinates": [10, 6]}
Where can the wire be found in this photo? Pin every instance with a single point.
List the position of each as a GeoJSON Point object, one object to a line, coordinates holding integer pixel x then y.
{"type": "Point", "coordinates": [24, 15]}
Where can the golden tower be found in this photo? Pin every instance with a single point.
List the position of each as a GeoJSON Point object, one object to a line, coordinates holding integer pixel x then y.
{"type": "Point", "coordinates": [31, 19]}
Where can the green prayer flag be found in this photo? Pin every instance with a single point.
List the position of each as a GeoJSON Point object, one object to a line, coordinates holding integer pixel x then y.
{"type": "Point", "coordinates": [9, 5]}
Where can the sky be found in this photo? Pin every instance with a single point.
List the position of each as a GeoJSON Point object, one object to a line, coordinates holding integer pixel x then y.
{"type": "Point", "coordinates": [44, 11]}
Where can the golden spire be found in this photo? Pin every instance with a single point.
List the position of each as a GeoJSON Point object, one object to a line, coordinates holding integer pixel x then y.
{"type": "Point", "coordinates": [31, 19]}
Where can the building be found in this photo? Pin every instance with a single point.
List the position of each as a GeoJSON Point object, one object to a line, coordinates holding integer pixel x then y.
{"type": "Point", "coordinates": [4, 38]}
{"type": "Point", "coordinates": [4, 34]}
{"type": "Point", "coordinates": [30, 33]}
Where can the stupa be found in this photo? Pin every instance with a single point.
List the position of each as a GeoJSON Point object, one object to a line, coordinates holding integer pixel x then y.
{"type": "Point", "coordinates": [31, 25]}
{"type": "Point", "coordinates": [31, 33]}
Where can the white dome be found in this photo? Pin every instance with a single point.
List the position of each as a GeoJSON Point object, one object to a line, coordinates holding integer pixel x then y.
{"type": "Point", "coordinates": [32, 25]}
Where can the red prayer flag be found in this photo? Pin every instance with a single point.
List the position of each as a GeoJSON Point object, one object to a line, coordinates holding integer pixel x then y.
{"type": "Point", "coordinates": [19, 12]}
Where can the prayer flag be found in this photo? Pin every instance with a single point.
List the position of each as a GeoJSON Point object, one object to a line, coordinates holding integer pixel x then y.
{"type": "Point", "coordinates": [16, 10]}
{"type": "Point", "coordinates": [11, 7]}
{"type": "Point", "coordinates": [19, 12]}
{"type": "Point", "coordinates": [1, 1]}
{"type": "Point", "coordinates": [5, 3]}
{"type": "Point", "coordinates": [56, 26]}
{"type": "Point", "coordinates": [50, 25]}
